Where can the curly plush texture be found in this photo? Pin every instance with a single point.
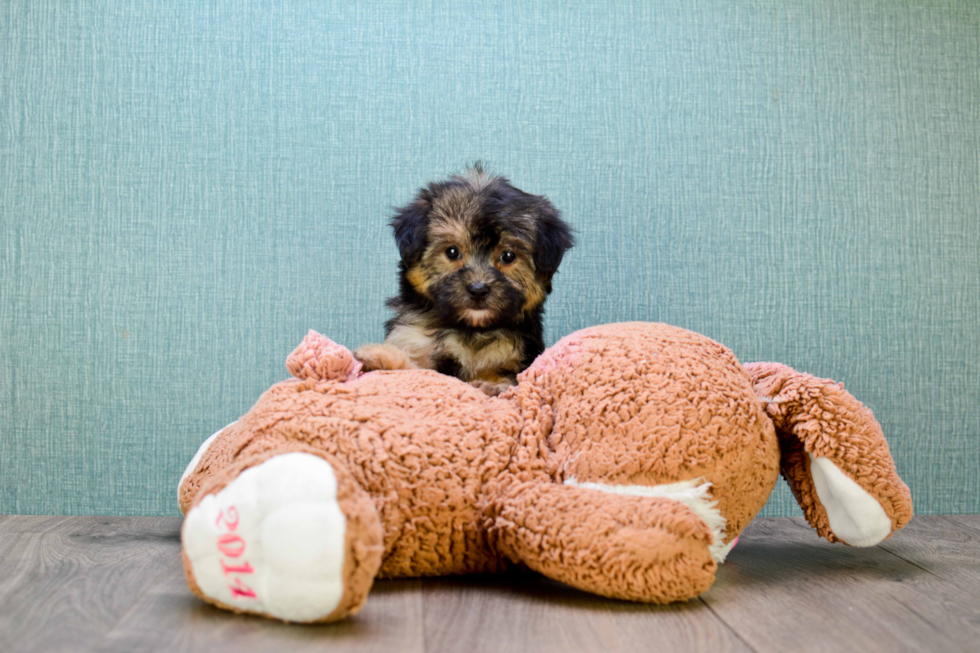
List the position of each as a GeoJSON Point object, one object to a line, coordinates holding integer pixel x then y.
{"type": "Point", "coordinates": [818, 417]}
{"type": "Point", "coordinates": [574, 471]}
{"type": "Point", "coordinates": [320, 358]}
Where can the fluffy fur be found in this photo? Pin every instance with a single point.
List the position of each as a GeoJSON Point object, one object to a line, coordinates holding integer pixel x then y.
{"type": "Point", "coordinates": [477, 259]}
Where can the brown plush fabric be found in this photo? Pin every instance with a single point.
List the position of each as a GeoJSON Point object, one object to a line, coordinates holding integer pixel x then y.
{"type": "Point", "coordinates": [817, 416]}
{"type": "Point", "coordinates": [461, 482]}
{"type": "Point", "coordinates": [647, 404]}
{"type": "Point", "coordinates": [626, 547]}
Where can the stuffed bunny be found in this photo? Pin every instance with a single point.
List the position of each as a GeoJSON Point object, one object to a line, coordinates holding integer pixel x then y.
{"type": "Point", "coordinates": [625, 462]}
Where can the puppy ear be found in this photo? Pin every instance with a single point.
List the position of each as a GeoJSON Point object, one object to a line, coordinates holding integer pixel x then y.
{"type": "Point", "coordinates": [411, 230]}
{"type": "Point", "coordinates": [553, 238]}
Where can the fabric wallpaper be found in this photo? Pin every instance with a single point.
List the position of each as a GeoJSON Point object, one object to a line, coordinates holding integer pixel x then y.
{"type": "Point", "coordinates": [187, 187]}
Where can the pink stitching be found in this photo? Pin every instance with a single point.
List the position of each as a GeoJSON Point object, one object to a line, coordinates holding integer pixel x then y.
{"type": "Point", "coordinates": [233, 546]}
{"type": "Point", "coordinates": [232, 512]}
{"type": "Point", "coordinates": [233, 569]}
{"type": "Point", "coordinates": [241, 590]}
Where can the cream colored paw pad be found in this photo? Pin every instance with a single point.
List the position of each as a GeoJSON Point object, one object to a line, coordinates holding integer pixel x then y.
{"type": "Point", "coordinates": [272, 541]}
{"type": "Point", "coordinates": [855, 517]}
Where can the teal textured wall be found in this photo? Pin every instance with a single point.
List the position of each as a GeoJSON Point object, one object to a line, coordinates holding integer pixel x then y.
{"type": "Point", "coordinates": [187, 187]}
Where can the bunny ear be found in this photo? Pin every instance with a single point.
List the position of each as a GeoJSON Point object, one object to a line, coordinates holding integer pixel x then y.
{"type": "Point", "coordinates": [833, 455]}
{"type": "Point", "coordinates": [320, 358]}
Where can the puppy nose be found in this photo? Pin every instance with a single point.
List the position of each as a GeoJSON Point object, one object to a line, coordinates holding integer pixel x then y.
{"type": "Point", "coordinates": [478, 290]}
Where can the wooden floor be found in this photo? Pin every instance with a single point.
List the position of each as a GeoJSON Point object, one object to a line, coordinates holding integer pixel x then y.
{"type": "Point", "coordinates": [116, 584]}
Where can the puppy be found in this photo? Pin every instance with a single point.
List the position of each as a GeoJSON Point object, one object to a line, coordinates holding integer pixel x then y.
{"type": "Point", "coordinates": [477, 258]}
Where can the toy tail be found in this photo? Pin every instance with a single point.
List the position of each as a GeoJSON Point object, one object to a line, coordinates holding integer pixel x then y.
{"type": "Point", "coordinates": [833, 455]}
{"type": "Point", "coordinates": [320, 358]}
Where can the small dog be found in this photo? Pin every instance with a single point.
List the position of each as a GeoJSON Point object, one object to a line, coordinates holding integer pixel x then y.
{"type": "Point", "coordinates": [477, 258]}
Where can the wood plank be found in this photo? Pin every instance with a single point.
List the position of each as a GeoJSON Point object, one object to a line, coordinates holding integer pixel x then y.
{"type": "Point", "coordinates": [62, 590]}
{"type": "Point", "coordinates": [7, 543]}
{"type": "Point", "coordinates": [116, 584]}
{"type": "Point", "coordinates": [47, 523]}
{"type": "Point", "coordinates": [970, 521]}
{"type": "Point", "coordinates": [784, 589]}
{"type": "Point", "coordinates": [148, 526]}
{"type": "Point", "coordinates": [527, 612]}
{"type": "Point", "coordinates": [941, 546]}
{"type": "Point", "coordinates": [169, 618]}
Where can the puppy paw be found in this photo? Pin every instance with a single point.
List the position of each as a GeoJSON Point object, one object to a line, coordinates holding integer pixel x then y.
{"type": "Point", "coordinates": [492, 388]}
{"type": "Point", "coordinates": [382, 357]}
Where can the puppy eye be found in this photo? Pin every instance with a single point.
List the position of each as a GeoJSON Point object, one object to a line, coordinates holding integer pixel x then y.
{"type": "Point", "coordinates": [508, 257]}
{"type": "Point", "coordinates": [452, 253]}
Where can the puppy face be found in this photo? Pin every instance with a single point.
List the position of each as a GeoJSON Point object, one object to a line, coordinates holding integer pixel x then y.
{"type": "Point", "coordinates": [481, 251]}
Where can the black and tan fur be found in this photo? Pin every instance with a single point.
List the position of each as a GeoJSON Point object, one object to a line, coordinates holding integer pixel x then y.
{"type": "Point", "coordinates": [477, 259]}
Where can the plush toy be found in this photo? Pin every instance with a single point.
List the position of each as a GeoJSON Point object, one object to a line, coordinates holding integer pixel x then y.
{"type": "Point", "coordinates": [625, 462]}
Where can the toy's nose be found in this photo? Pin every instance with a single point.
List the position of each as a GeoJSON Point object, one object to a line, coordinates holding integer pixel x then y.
{"type": "Point", "coordinates": [478, 290]}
